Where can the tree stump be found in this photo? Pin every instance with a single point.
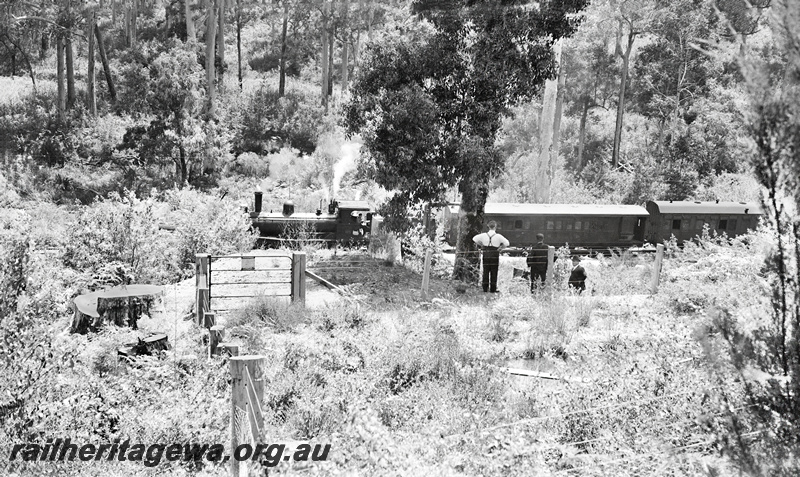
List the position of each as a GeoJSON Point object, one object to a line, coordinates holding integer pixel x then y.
{"type": "Point", "coordinates": [122, 305]}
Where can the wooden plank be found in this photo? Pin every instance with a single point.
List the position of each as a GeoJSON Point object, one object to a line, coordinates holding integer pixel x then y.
{"type": "Point", "coordinates": [248, 263]}
{"type": "Point", "coordinates": [240, 398]}
{"type": "Point", "coordinates": [321, 280]}
{"type": "Point", "coordinates": [426, 274]}
{"type": "Point", "coordinates": [529, 373]}
{"type": "Point", "coordinates": [537, 374]}
{"type": "Point", "coordinates": [257, 276]}
{"type": "Point", "coordinates": [299, 277]}
{"type": "Point", "coordinates": [656, 277]}
{"type": "Point", "coordinates": [237, 303]}
{"type": "Point", "coordinates": [221, 291]}
{"type": "Point", "coordinates": [254, 253]}
{"type": "Point", "coordinates": [259, 263]}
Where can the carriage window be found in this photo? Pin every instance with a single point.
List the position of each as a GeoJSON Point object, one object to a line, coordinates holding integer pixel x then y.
{"type": "Point", "coordinates": [698, 223]}
{"type": "Point", "coordinates": [569, 225]}
{"type": "Point", "coordinates": [732, 224]}
{"type": "Point", "coordinates": [628, 224]}
{"type": "Point", "coordinates": [549, 225]}
{"type": "Point", "coordinates": [676, 224]}
{"type": "Point", "coordinates": [558, 225]}
{"type": "Point", "coordinates": [723, 224]}
{"type": "Point", "coordinates": [577, 225]}
{"type": "Point", "coordinates": [527, 225]}
{"type": "Point", "coordinates": [517, 224]}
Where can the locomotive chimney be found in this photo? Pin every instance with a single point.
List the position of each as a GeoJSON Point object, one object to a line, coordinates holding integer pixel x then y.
{"type": "Point", "coordinates": [332, 207]}
{"type": "Point", "coordinates": [288, 208]}
{"type": "Point", "coordinates": [259, 196]}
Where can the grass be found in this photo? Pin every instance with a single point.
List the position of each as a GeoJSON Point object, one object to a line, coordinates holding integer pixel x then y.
{"type": "Point", "coordinates": [418, 388]}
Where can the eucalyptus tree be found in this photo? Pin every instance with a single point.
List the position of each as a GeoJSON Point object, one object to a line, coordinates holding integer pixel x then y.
{"type": "Point", "coordinates": [429, 104]}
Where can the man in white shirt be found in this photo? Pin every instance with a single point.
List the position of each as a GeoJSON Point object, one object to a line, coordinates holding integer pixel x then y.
{"type": "Point", "coordinates": [491, 243]}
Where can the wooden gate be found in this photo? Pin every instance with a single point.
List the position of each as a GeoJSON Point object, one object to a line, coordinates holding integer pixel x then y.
{"type": "Point", "coordinates": [228, 282]}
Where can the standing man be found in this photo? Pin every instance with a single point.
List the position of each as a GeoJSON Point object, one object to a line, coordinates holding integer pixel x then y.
{"type": "Point", "coordinates": [491, 243]}
{"type": "Point", "coordinates": [577, 278]}
{"type": "Point", "coordinates": [537, 261]}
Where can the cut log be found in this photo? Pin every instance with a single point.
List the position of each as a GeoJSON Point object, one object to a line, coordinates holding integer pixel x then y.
{"type": "Point", "coordinates": [122, 305]}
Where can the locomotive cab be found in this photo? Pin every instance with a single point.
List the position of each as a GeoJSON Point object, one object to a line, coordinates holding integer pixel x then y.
{"type": "Point", "coordinates": [354, 220]}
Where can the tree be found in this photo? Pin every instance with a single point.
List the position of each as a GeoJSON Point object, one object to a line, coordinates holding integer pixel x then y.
{"type": "Point", "coordinates": [429, 105]}
{"type": "Point", "coordinates": [167, 89]}
{"type": "Point", "coordinates": [768, 358]}
{"type": "Point", "coordinates": [632, 18]}
{"type": "Point", "coordinates": [592, 77]}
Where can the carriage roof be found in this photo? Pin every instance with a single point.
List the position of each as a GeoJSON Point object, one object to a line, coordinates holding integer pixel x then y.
{"type": "Point", "coordinates": [565, 209]}
{"type": "Point", "coordinates": [697, 207]}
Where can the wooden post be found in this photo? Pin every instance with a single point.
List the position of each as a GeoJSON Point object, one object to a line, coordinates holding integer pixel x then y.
{"type": "Point", "coordinates": [657, 268]}
{"type": "Point", "coordinates": [299, 277]}
{"type": "Point", "coordinates": [426, 274]}
{"type": "Point", "coordinates": [209, 320]}
{"type": "Point", "coordinates": [551, 257]}
{"type": "Point", "coordinates": [215, 339]}
{"type": "Point", "coordinates": [202, 296]}
{"type": "Point", "coordinates": [232, 349]}
{"type": "Point", "coordinates": [247, 392]}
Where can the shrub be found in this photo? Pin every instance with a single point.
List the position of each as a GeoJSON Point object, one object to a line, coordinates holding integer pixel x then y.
{"type": "Point", "coordinates": [425, 351]}
{"type": "Point", "coordinates": [271, 122]}
{"type": "Point", "coordinates": [277, 314]}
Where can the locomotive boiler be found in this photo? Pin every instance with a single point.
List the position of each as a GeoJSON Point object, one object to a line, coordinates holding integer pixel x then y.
{"type": "Point", "coordinates": [346, 222]}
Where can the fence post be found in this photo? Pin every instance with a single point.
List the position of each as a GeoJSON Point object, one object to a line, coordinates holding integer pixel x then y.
{"type": "Point", "coordinates": [551, 258]}
{"type": "Point", "coordinates": [657, 268]}
{"type": "Point", "coordinates": [202, 297]}
{"type": "Point", "coordinates": [426, 274]}
{"type": "Point", "coordinates": [209, 320]}
{"type": "Point", "coordinates": [215, 335]}
{"type": "Point", "coordinates": [299, 277]}
{"type": "Point", "coordinates": [247, 392]}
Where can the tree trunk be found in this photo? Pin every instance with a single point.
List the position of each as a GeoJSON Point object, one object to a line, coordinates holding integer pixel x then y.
{"type": "Point", "coordinates": [582, 134]}
{"type": "Point", "coordinates": [239, 42]}
{"type": "Point", "coordinates": [356, 50]}
{"type": "Point", "coordinates": [562, 79]}
{"type": "Point", "coordinates": [324, 55]}
{"type": "Point", "coordinates": [70, 73]}
{"type": "Point", "coordinates": [282, 68]}
{"type": "Point", "coordinates": [544, 166]}
{"type": "Point", "coordinates": [62, 98]}
{"type": "Point", "coordinates": [331, 44]}
{"type": "Point", "coordinates": [44, 45]}
{"type": "Point", "coordinates": [345, 11]}
{"type": "Point", "coordinates": [626, 56]}
{"type": "Point", "coordinates": [221, 43]}
{"type": "Point", "coordinates": [191, 34]}
{"type": "Point", "coordinates": [181, 167]}
{"type": "Point", "coordinates": [91, 97]}
{"type": "Point", "coordinates": [134, 17]}
{"type": "Point", "coordinates": [211, 34]}
{"type": "Point", "coordinates": [470, 223]}
{"type": "Point", "coordinates": [370, 19]}
{"type": "Point", "coordinates": [101, 49]}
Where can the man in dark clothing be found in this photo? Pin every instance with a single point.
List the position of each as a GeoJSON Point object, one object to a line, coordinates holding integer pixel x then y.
{"type": "Point", "coordinates": [577, 278]}
{"type": "Point", "coordinates": [537, 261]}
{"type": "Point", "coordinates": [490, 243]}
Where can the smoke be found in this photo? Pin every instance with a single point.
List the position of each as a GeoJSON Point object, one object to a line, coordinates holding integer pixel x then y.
{"type": "Point", "coordinates": [345, 164]}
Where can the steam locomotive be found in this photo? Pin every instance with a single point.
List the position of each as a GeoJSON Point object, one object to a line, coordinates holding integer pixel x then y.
{"type": "Point", "coordinates": [590, 226]}
{"type": "Point", "coordinates": [344, 222]}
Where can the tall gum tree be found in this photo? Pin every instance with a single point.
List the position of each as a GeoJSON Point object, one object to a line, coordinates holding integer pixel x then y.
{"type": "Point", "coordinates": [429, 105]}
